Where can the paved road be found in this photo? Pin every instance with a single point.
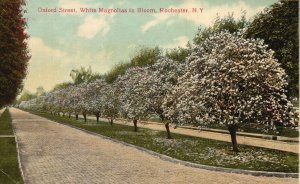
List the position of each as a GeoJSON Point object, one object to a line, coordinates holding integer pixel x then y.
{"type": "Point", "coordinates": [252, 141]}
{"type": "Point", "coordinates": [55, 153]}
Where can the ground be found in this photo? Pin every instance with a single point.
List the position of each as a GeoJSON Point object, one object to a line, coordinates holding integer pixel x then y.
{"type": "Point", "coordinates": [55, 153]}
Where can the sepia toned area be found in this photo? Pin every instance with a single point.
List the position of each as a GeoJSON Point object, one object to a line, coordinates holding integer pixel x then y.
{"type": "Point", "coordinates": [129, 91]}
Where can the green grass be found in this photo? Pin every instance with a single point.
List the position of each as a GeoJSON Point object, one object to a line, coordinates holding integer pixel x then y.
{"type": "Point", "coordinates": [9, 169]}
{"type": "Point", "coordinates": [5, 123]}
{"type": "Point", "coordinates": [192, 149]}
{"type": "Point", "coordinates": [9, 162]}
{"type": "Point", "coordinates": [284, 131]}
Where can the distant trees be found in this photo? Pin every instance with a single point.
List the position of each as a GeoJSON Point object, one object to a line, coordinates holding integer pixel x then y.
{"type": "Point", "coordinates": [278, 27]}
{"type": "Point", "coordinates": [26, 95]}
{"type": "Point", "coordinates": [81, 75]}
{"type": "Point", "coordinates": [178, 54]}
{"type": "Point", "coordinates": [145, 56]}
{"type": "Point", "coordinates": [40, 91]}
{"type": "Point", "coordinates": [13, 50]}
{"type": "Point", "coordinates": [227, 23]}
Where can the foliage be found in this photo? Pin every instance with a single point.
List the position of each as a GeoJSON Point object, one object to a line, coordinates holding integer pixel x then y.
{"type": "Point", "coordinates": [163, 75]}
{"type": "Point", "coordinates": [62, 85]}
{"type": "Point", "coordinates": [40, 91]}
{"type": "Point", "coordinates": [26, 95]}
{"type": "Point", "coordinates": [117, 70]}
{"type": "Point", "coordinates": [231, 80]}
{"type": "Point", "coordinates": [278, 26]}
{"type": "Point", "coordinates": [227, 23]}
{"type": "Point", "coordinates": [178, 54]}
{"type": "Point", "coordinates": [143, 57]}
{"type": "Point", "coordinates": [13, 50]}
{"type": "Point", "coordinates": [111, 102]}
{"type": "Point", "coordinates": [132, 86]}
{"type": "Point", "coordinates": [81, 75]}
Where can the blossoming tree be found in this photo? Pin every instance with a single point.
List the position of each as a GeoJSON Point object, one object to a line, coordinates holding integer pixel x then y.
{"type": "Point", "coordinates": [94, 97]}
{"type": "Point", "coordinates": [110, 102]}
{"type": "Point", "coordinates": [132, 99]}
{"type": "Point", "coordinates": [163, 75]}
{"type": "Point", "coordinates": [233, 81]}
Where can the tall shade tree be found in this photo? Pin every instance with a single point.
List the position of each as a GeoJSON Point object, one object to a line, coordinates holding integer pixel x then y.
{"type": "Point", "coordinates": [233, 81]}
{"type": "Point", "coordinates": [14, 55]}
{"type": "Point", "coordinates": [278, 26]}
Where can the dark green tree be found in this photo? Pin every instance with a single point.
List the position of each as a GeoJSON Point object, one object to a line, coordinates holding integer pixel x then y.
{"type": "Point", "coordinates": [278, 27]}
{"type": "Point", "coordinates": [25, 96]}
{"type": "Point", "coordinates": [40, 91]}
{"type": "Point", "coordinates": [145, 56]}
{"type": "Point", "coordinates": [62, 85]}
{"type": "Point", "coordinates": [81, 75]}
{"type": "Point", "coordinates": [14, 54]}
{"type": "Point", "coordinates": [227, 23]}
{"type": "Point", "coordinates": [118, 69]}
{"type": "Point", "coordinates": [178, 54]}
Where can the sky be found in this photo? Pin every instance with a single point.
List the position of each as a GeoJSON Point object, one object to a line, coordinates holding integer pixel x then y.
{"type": "Point", "coordinates": [60, 42]}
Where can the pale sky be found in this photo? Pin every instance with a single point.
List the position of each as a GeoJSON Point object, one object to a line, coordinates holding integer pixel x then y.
{"type": "Point", "coordinates": [60, 42]}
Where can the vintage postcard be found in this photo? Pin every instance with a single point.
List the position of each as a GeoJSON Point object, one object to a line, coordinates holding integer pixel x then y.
{"type": "Point", "coordinates": [149, 91]}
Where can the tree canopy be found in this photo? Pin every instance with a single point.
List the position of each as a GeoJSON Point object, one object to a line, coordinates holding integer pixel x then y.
{"type": "Point", "coordinates": [14, 55]}
{"type": "Point", "coordinates": [227, 23]}
{"type": "Point", "coordinates": [143, 57]}
{"type": "Point", "coordinates": [278, 27]}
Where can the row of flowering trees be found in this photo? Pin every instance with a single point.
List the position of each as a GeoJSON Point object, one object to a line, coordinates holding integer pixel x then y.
{"type": "Point", "coordinates": [226, 80]}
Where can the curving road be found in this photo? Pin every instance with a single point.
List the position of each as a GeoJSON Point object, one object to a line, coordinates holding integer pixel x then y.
{"type": "Point", "coordinates": [55, 153]}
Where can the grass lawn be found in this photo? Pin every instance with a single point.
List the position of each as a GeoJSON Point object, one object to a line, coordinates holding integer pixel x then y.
{"type": "Point", "coordinates": [9, 168]}
{"type": "Point", "coordinates": [284, 131]}
{"type": "Point", "coordinates": [5, 123]}
{"type": "Point", "coordinates": [9, 162]}
{"type": "Point", "coordinates": [192, 149]}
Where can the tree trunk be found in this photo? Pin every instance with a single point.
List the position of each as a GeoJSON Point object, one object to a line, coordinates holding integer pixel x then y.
{"type": "Point", "coordinates": [97, 116]}
{"type": "Point", "coordinates": [135, 125]}
{"type": "Point", "coordinates": [76, 115]}
{"type": "Point", "coordinates": [69, 115]}
{"type": "Point", "coordinates": [232, 130]}
{"type": "Point", "coordinates": [168, 131]}
{"type": "Point", "coordinates": [111, 122]}
{"type": "Point", "coordinates": [84, 116]}
{"type": "Point", "coordinates": [63, 114]}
